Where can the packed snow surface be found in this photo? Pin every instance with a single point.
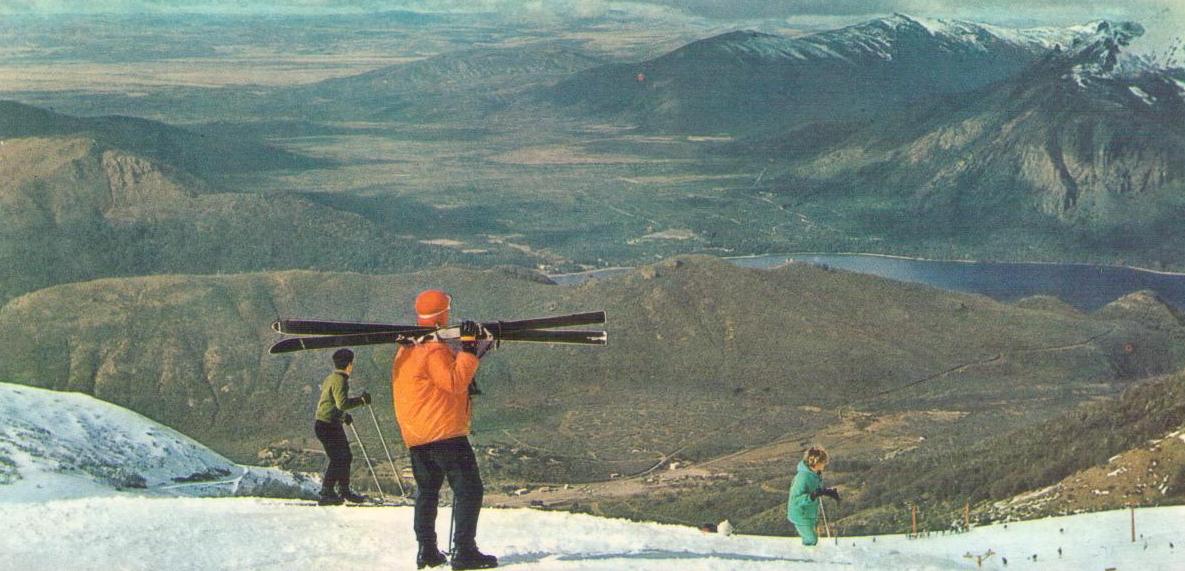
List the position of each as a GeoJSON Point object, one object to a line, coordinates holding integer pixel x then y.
{"type": "Point", "coordinates": [243, 533]}
{"type": "Point", "coordinates": [57, 445]}
{"type": "Point", "coordinates": [88, 485]}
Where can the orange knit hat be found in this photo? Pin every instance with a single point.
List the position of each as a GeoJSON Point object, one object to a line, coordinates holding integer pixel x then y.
{"type": "Point", "coordinates": [431, 305]}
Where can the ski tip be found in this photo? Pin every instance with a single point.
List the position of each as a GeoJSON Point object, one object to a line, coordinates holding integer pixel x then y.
{"type": "Point", "coordinates": [286, 346]}
{"type": "Point", "coordinates": [276, 326]}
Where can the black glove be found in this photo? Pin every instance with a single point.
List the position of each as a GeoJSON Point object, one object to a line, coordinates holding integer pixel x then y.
{"type": "Point", "coordinates": [347, 419]}
{"type": "Point", "coordinates": [469, 332]}
{"type": "Point", "coordinates": [365, 396]}
{"type": "Point", "coordinates": [820, 492]}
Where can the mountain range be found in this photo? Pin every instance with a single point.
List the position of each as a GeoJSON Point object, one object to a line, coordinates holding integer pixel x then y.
{"type": "Point", "coordinates": [471, 83]}
{"type": "Point", "coordinates": [1074, 128]}
{"type": "Point", "coordinates": [86, 198]}
{"type": "Point", "coordinates": [745, 80]}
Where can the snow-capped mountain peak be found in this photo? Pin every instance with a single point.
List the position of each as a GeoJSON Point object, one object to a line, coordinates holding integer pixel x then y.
{"type": "Point", "coordinates": [931, 25]}
{"type": "Point", "coordinates": [884, 36]}
{"type": "Point", "coordinates": [1098, 52]}
{"type": "Point", "coordinates": [754, 45]}
{"type": "Point", "coordinates": [1096, 59]}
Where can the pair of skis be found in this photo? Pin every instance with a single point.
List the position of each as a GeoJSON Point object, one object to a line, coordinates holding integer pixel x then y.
{"type": "Point", "coordinates": [316, 334]}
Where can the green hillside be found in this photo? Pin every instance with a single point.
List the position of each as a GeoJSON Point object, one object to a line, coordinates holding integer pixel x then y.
{"type": "Point", "coordinates": [704, 358]}
{"type": "Point", "coordinates": [1029, 459]}
{"type": "Point", "coordinates": [203, 154]}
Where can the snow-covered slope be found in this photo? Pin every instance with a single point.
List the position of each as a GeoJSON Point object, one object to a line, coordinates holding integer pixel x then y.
{"type": "Point", "coordinates": [55, 445]}
{"type": "Point", "coordinates": [884, 36]}
{"type": "Point", "coordinates": [191, 533]}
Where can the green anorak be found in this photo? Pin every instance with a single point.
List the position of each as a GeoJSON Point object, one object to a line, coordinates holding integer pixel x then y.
{"type": "Point", "coordinates": [802, 509]}
{"type": "Point", "coordinates": [334, 400]}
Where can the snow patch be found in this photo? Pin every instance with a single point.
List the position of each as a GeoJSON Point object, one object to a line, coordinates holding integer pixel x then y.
{"type": "Point", "coordinates": [934, 27]}
{"type": "Point", "coordinates": [1143, 95]}
{"type": "Point", "coordinates": [1031, 495]}
{"type": "Point", "coordinates": [671, 234]}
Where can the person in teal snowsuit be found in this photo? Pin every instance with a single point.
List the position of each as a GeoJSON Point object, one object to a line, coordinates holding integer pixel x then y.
{"type": "Point", "coordinates": [802, 509]}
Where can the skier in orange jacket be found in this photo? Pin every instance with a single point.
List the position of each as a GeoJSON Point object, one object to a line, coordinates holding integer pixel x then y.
{"type": "Point", "coordinates": [430, 385]}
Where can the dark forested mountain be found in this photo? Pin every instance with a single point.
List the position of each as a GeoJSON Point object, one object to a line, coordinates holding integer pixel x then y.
{"type": "Point", "coordinates": [1077, 138]}
{"type": "Point", "coordinates": [741, 80]}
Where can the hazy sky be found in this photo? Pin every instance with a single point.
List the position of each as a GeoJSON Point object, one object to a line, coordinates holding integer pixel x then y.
{"type": "Point", "coordinates": [1162, 18]}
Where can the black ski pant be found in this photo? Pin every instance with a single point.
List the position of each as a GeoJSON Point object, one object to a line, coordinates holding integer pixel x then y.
{"type": "Point", "coordinates": [430, 464]}
{"type": "Point", "coordinates": [333, 437]}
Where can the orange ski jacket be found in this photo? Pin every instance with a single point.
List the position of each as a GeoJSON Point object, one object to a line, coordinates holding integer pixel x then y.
{"type": "Point", "coordinates": [431, 390]}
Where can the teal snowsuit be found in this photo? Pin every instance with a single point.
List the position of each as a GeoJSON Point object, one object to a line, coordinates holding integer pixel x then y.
{"type": "Point", "coordinates": [802, 510]}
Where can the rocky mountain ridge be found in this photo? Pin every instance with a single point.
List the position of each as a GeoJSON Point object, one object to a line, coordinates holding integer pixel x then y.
{"type": "Point", "coordinates": [747, 80]}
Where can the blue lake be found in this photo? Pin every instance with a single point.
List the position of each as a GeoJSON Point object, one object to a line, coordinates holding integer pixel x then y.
{"type": "Point", "coordinates": [1084, 286]}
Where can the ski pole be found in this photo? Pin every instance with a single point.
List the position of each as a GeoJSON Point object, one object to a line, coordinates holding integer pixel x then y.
{"type": "Point", "coordinates": [382, 496]}
{"type": "Point", "coordinates": [823, 512]}
{"type": "Point", "coordinates": [452, 522]}
{"type": "Point", "coordinates": [398, 478]}
{"type": "Point", "coordinates": [835, 530]}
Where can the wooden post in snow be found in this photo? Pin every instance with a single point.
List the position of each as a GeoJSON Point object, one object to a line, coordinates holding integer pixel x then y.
{"type": "Point", "coordinates": [1133, 510]}
{"type": "Point", "coordinates": [913, 513]}
{"type": "Point", "coordinates": [967, 516]}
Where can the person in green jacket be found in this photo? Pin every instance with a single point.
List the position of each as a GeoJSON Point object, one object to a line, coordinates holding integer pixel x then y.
{"type": "Point", "coordinates": [803, 508]}
{"type": "Point", "coordinates": [331, 414]}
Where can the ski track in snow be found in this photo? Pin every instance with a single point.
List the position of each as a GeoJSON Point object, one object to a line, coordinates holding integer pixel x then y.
{"type": "Point", "coordinates": [129, 532]}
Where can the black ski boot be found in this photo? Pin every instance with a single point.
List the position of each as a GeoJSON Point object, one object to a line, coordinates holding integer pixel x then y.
{"type": "Point", "coordinates": [468, 557]}
{"type": "Point", "coordinates": [430, 556]}
{"type": "Point", "coordinates": [330, 498]}
{"type": "Point", "coordinates": [353, 497]}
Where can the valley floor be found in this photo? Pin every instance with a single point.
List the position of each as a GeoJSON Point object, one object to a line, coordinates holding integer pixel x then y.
{"type": "Point", "coordinates": [126, 532]}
